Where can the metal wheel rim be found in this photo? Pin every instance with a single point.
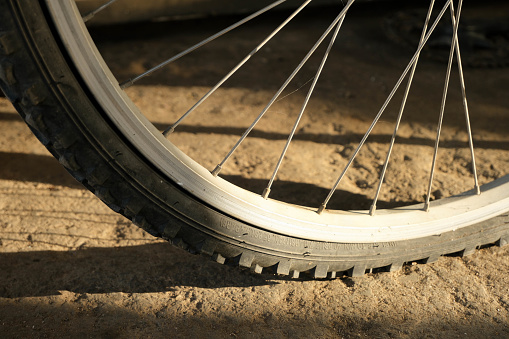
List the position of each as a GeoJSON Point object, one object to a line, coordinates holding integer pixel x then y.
{"type": "Point", "coordinates": [404, 223]}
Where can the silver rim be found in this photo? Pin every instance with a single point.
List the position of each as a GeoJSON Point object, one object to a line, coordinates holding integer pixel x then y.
{"type": "Point", "coordinates": [398, 224]}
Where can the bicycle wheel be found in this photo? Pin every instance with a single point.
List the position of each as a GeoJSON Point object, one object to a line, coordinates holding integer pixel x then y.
{"type": "Point", "coordinates": [57, 79]}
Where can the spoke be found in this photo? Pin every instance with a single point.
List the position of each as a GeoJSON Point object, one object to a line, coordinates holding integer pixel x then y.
{"type": "Point", "coordinates": [403, 75]}
{"type": "Point", "coordinates": [442, 107]}
{"type": "Point", "coordinates": [218, 168]}
{"type": "Point", "coordinates": [266, 192]}
{"type": "Point", "coordinates": [131, 81]}
{"type": "Point", "coordinates": [401, 110]}
{"type": "Point", "coordinates": [170, 129]}
{"type": "Point", "coordinates": [91, 14]}
{"type": "Point", "coordinates": [465, 103]}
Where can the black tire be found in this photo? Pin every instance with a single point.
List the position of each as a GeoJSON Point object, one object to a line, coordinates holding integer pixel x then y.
{"type": "Point", "coordinates": [36, 75]}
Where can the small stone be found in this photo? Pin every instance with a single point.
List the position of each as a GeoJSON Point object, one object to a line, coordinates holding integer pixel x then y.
{"type": "Point", "coordinates": [362, 184]}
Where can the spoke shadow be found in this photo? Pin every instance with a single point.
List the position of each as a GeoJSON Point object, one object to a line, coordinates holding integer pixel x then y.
{"type": "Point", "coordinates": [365, 59]}
{"type": "Point", "coordinates": [344, 139]}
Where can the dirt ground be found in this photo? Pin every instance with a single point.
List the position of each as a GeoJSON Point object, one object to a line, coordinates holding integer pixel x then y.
{"type": "Point", "coordinates": [70, 267]}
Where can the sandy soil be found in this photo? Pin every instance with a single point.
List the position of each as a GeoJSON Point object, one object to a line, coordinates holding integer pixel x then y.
{"type": "Point", "coordinates": [72, 268]}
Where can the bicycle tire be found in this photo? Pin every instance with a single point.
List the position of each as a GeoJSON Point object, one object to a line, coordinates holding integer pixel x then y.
{"type": "Point", "coordinates": [38, 76]}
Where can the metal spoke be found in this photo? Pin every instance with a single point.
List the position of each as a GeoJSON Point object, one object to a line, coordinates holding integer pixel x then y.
{"type": "Point", "coordinates": [131, 81]}
{"type": "Point", "coordinates": [464, 97]}
{"type": "Point", "coordinates": [442, 107]}
{"type": "Point", "coordinates": [403, 75]}
{"type": "Point", "coordinates": [266, 192]}
{"type": "Point", "coordinates": [91, 14]}
{"type": "Point", "coordinates": [400, 114]}
{"type": "Point", "coordinates": [218, 168]}
{"type": "Point", "coordinates": [170, 129]}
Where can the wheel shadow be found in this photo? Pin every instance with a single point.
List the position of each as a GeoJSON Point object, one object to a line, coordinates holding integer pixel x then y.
{"type": "Point", "coordinates": [45, 169]}
{"type": "Point", "coordinates": [35, 168]}
{"type": "Point", "coordinates": [311, 195]}
{"type": "Point", "coordinates": [148, 268]}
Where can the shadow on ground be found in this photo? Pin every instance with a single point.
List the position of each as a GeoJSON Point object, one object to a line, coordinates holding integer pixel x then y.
{"type": "Point", "coordinates": [136, 269]}
{"type": "Point", "coordinates": [87, 317]}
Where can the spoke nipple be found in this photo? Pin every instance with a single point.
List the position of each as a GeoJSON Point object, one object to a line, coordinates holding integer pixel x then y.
{"type": "Point", "coordinates": [169, 131]}
{"type": "Point", "coordinates": [88, 17]}
{"type": "Point", "coordinates": [426, 207]}
{"type": "Point", "coordinates": [266, 193]}
{"type": "Point", "coordinates": [216, 170]}
{"type": "Point", "coordinates": [372, 210]}
{"type": "Point", "coordinates": [126, 84]}
{"type": "Point", "coordinates": [321, 209]}
{"type": "Point", "coordinates": [477, 190]}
